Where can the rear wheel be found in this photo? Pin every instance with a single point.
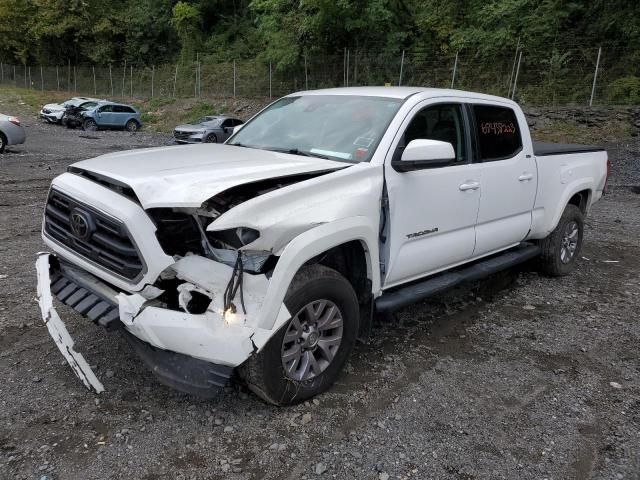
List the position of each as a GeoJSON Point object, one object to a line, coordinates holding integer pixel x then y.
{"type": "Point", "coordinates": [562, 247]}
{"type": "Point", "coordinates": [131, 126]}
{"type": "Point", "coordinates": [90, 125]}
{"type": "Point", "coordinates": [307, 354]}
{"type": "Point", "coordinates": [211, 138]}
{"type": "Point", "coordinates": [3, 142]}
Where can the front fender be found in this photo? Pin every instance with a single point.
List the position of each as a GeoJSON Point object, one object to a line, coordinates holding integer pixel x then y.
{"type": "Point", "coordinates": [310, 244]}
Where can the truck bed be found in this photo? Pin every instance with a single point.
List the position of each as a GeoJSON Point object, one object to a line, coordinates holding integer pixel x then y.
{"type": "Point", "coordinates": [541, 149]}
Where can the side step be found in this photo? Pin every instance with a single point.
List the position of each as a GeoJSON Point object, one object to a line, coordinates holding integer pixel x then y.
{"type": "Point", "coordinates": [416, 292]}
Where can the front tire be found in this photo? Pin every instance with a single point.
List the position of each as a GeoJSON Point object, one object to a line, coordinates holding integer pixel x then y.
{"type": "Point", "coordinates": [561, 248]}
{"type": "Point", "coordinates": [90, 125]}
{"type": "Point", "coordinates": [211, 138]}
{"type": "Point", "coordinates": [305, 357]}
{"type": "Point", "coordinates": [3, 142]}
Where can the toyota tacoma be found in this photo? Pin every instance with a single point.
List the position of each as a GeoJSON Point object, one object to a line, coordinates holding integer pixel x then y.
{"type": "Point", "coordinates": [266, 258]}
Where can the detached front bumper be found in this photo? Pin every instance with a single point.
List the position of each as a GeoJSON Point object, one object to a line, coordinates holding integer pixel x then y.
{"type": "Point", "coordinates": [103, 305]}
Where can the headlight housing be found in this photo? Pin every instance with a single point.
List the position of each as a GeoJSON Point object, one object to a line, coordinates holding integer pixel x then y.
{"type": "Point", "coordinates": [234, 237]}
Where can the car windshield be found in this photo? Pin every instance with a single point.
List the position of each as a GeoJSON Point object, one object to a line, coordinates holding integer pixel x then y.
{"type": "Point", "coordinates": [337, 127]}
{"type": "Point", "coordinates": [213, 121]}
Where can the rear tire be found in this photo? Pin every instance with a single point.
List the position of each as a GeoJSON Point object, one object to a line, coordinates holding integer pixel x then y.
{"type": "Point", "coordinates": [90, 125]}
{"type": "Point", "coordinates": [305, 357]}
{"type": "Point", "coordinates": [3, 142]}
{"type": "Point", "coordinates": [131, 126]}
{"type": "Point", "coordinates": [562, 247]}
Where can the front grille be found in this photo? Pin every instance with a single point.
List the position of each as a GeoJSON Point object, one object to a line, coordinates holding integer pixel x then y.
{"type": "Point", "coordinates": [105, 241]}
{"type": "Point", "coordinates": [179, 135]}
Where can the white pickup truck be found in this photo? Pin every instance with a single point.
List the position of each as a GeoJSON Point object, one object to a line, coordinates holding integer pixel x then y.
{"type": "Point", "coordinates": [266, 258]}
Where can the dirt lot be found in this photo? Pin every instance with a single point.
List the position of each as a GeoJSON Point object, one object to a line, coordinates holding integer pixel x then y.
{"type": "Point", "coordinates": [520, 377]}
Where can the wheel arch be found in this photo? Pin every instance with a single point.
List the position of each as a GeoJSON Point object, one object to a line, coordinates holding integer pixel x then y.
{"type": "Point", "coordinates": [349, 246]}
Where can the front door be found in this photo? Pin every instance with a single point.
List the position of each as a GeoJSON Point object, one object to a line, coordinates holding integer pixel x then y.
{"type": "Point", "coordinates": [509, 179]}
{"type": "Point", "coordinates": [432, 211]}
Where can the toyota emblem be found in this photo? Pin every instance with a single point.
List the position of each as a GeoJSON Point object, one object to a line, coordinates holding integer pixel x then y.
{"type": "Point", "coordinates": [82, 224]}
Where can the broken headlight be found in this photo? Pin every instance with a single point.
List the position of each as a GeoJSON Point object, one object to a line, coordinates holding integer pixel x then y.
{"type": "Point", "coordinates": [234, 237]}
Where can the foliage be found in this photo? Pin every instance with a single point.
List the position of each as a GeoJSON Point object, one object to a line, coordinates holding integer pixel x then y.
{"type": "Point", "coordinates": [625, 90]}
{"type": "Point", "coordinates": [286, 32]}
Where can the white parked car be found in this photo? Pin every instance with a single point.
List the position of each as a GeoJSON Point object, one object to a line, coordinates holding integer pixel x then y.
{"type": "Point", "coordinates": [53, 112]}
{"type": "Point", "coordinates": [267, 256]}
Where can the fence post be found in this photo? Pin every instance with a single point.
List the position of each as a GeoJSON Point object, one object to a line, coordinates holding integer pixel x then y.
{"type": "Point", "coordinates": [513, 68]}
{"type": "Point", "coordinates": [95, 87]}
{"type": "Point", "coordinates": [347, 70]}
{"type": "Point", "coordinates": [41, 79]}
{"type": "Point", "coordinates": [455, 67]}
{"type": "Point", "coordinates": [131, 79]}
{"type": "Point", "coordinates": [75, 80]}
{"type": "Point", "coordinates": [69, 77]}
{"type": "Point", "coordinates": [344, 68]}
{"type": "Point", "coordinates": [124, 76]}
{"type": "Point", "coordinates": [153, 74]}
{"type": "Point", "coordinates": [15, 79]}
{"type": "Point", "coordinates": [269, 79]}
{"type": "Point", "coordinates": [306, 77]}
{"type": "Point", "coordinates": [1, 72]}
{"type": "Point", "coordinates": [58, 78]}
{"type": "Point", "coordinates": [175, 80]}
{"type": "Point", "coordinates": [595, 76]}
{"type": "Point", "coordinates": [234, 78]}
{"type": "Point", "coordinates": [401, 67]}
{"type": "Point", "coordinates": [111, 79]}
{"type": "Point", "coordinates": [515, 80]}
{"type": "Point", "coordinates": [30, 82]}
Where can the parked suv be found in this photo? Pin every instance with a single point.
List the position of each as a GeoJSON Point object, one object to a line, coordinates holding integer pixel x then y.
{"type": "Point", "coordinates": [112, 115]}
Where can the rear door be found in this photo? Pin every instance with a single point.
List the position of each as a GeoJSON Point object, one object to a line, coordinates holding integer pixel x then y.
{"type": "Point", "coordinates": [432, 211]}
{"type": "Point", "coordinates": [509, 178]}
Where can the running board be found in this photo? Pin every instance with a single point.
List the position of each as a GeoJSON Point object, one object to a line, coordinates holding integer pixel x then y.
{"type": "Point", "coordinates": [416, 292]}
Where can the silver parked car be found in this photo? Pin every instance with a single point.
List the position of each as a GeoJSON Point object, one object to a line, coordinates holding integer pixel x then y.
{"type": "Point", "coordinates": [11, 132]}
{"type": "Point", "coordinates": [209, 129]}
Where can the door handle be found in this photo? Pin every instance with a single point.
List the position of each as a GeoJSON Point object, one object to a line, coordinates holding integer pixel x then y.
{"type": "Point", "coordinates": [525, 177]}
{"type": "Point", "coordinates": [469, 186]}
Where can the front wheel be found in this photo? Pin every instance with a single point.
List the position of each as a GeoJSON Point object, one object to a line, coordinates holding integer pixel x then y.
{"type": "Point", "coordinates": [90, 125]}
{"type": "Point", "coordinates": [3, 142]}
{"type": "Point", "coordinates": [307, 354]}
{"type": "Point", "coordinates": [561, 248]}
{"type": "Point", "coordinates": [211, 138]}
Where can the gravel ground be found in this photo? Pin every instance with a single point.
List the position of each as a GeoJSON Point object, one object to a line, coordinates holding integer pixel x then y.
{"type": "Point", "coordinates": [518, 377]}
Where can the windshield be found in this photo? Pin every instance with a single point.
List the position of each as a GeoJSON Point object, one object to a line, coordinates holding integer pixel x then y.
{"type": "Point", "coordinates": [338, 127]}
{"type": "Point", "coordinates": [213, 121]}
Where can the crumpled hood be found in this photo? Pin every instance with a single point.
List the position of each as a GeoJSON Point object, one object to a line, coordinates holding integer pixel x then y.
{"type": "Point", "coordinates": [188, 176]}
{"type": "Point", "coordinates": [53, 106]}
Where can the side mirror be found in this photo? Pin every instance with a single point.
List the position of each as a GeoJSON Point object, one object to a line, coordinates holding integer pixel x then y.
{"type": "Point", "coordinates": [421, 154]}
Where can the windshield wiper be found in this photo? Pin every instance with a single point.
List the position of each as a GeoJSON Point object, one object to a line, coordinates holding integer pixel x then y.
{"type": "Point", "coordinates": [295, 151]}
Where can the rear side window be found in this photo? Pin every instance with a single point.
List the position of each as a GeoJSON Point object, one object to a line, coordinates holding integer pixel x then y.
{"type": "Point", "coordinates": [122, 109]}
{"type": "Point", "coordinates": [497, 132]}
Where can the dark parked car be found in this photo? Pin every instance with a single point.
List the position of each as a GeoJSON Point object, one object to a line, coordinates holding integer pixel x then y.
{"type": "Point", "coordinates": [210, 129]}
{"type": "Point", "coordinates": [112, 115]}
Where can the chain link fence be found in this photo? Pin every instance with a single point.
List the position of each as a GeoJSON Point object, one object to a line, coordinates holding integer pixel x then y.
{"type": "Point", "coordinates": [568, 76]}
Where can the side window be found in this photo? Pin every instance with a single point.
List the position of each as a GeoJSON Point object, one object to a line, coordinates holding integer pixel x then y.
{"type": "Point", "coordinates": [227, 123]}
{"type": "Point", "coordinates": [106, 109]}
{"type": "Point", "coordinates": [128, 110]}
{"type": "Point", "coordinates": [497, 132]}
{"type": "Point", "coordinates": [440, 122]}
{"type": "Point", "coordinates": [237, 122]}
